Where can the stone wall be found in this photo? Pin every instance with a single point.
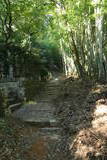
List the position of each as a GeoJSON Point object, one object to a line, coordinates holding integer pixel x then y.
{"type": "Point", "coordinates": [13, 89]}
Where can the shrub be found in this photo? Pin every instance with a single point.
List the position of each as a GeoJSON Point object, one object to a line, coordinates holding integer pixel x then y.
{"type": "Point", "coordinates": [3, 103]}
{"type": "Point", "coordinates": [32, 89]}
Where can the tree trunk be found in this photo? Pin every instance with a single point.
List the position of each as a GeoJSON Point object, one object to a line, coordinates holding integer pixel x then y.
{"type": "Point", "coordinates": [99, 39]}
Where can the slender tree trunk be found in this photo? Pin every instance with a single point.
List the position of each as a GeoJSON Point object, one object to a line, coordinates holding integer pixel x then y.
{"type": "Point", "coordinates": [99, 38]}
{"type": "Point", "coordinates": [81, 70]}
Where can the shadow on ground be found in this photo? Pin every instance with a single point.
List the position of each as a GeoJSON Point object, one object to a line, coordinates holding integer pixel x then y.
{"type": "Point", "coordinates": [83, 116]}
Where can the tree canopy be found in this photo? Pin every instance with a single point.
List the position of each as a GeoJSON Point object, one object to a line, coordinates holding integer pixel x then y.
{"type": "Point", "coordinates": [74, 31]}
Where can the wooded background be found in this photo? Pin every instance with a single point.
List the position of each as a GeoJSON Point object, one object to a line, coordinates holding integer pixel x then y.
{"type": "Point", "coordinates": [53, 35]}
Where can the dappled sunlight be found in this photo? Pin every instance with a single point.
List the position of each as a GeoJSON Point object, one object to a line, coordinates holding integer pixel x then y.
{"type": "Point", "coordinates": [101, 110]}
{"type": "Point", "coordinates": [100, 126]}
{"type": "Point", "coordinates": [82, 150]}
{"type": "Point", "coordinates": [86, 144]}
{"type": "Point", "coordinates": [99, 122]}
{"type": "Point", "coordinates": [31, 102]}
{"type": "Point", "coordinates": [56, 79]}
{"type": "Point", "coordinates": [99, 89]}
{"type": "Point", "coordinates": [90, 143]}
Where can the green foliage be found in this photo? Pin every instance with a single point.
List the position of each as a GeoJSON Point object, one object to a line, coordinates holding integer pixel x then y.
{"type": "Point", "coordinates": [32, 89]}
{"type": "Point", "coordinates": [29, 25]}
{"type": "Point", "coordinates": [57, 26]}
{"type": "Point", "coordinates": [51, 56]}
{"type": "Point", "coordinates": [4, 127]}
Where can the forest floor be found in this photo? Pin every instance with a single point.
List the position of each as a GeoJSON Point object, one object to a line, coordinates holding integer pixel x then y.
{"type": "Point", "coordinates": [81, 108]}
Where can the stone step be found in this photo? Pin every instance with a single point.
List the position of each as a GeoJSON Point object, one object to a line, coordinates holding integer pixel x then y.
{"type": "Point", "coordinates": [50, 130]}
{"type": "Point", "coordinates": [46, 92]}
{"type": "Point", "coordinates": [46, 98]}
{"type": "Point", "coordinates": [43, 101]}
{"type": "Point", "coordinates": [54, 86]}
{"type": "Point", "coordinates": [37, 118]}
{"type": "Point", "coordinates": [51, 94]}
{"type": "Point", "coordinates": [40, 114]}
{"type": "Point", "coordinates": [51, 90]}
{"type": "Point", "coordinates": [47, 95]}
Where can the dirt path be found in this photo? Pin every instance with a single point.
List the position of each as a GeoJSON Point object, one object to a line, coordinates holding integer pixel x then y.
{"type": "Point", "coordinates": [38, 138]}
{"type": "Point", "coordinates": [70, 111]}
{"type": "Point", "coordinates": [83, 118]}
{"type": "Point", "coordinates": [48, 143]}
{"type": "Point", "coordinates": [32, 142]}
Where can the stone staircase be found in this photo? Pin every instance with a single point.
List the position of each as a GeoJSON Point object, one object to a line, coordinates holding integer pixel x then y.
{"type": "Point", "coordinates": [50, 92]}
{"type": "Point", "coordinates": [43, 112]}
{"type": "Point", "coordinates": [42, 124]}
